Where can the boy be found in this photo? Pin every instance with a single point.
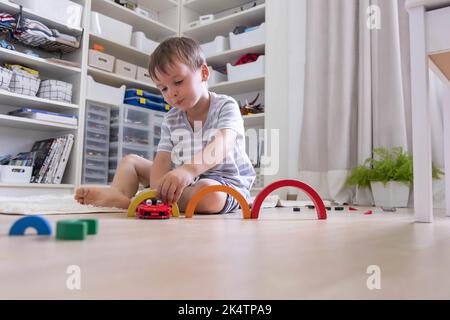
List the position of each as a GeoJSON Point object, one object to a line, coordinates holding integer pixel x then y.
{"type": "Point", "coordinates": [202, 136]}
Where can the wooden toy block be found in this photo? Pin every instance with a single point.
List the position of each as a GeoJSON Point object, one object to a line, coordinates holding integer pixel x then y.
{"type": "Point", "coordinates": [320, 207]}
{"type": "Point", "coordinates": [145, 195]}
{"type": "Point", "coordinates": [92, 225]}
{"type": "Point", "coordinates": [71, 230]}
{"type": "Point", "coordinates": [40, 224]}
{"type": "Point", "coordinates": [219, 188]}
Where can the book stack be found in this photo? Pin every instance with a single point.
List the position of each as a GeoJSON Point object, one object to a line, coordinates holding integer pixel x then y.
{"type": "Point", "coordinates": [51, 159]}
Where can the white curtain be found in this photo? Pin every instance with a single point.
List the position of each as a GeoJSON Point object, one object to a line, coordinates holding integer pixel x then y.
{"type": "Point", "coordinates": [357, 93]}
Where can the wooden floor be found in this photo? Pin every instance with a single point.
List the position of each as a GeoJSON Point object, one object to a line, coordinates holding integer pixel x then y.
{"type": "Point", "coordinates": [284, 255]}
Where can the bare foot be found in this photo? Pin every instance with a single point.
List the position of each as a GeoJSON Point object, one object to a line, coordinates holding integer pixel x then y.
{"type": "Point", "coordinates": [102, 197]}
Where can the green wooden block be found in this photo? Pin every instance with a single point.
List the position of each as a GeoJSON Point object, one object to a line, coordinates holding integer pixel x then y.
{"type": "Point", "coordinates": [71, 230]}
{"type": "Point", "coordinates": [92, 225]}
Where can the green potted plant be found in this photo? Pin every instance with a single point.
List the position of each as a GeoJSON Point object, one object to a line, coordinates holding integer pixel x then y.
{"type": "Point", "coordinates": [389, 174]}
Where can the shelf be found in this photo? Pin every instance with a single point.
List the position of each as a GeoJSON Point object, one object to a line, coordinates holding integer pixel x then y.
{"type": "Point", "coordinates": [119, 50]}
{"type": "Point", "coordinates": [442, 62]}
{"type": "Point", "coordinates": [238, 87]}
{"type": "Point", "coordinates": [158, 5]}
{"type": "Point", "coordinates": [42, 65]}
{"type": "Point", "coordinates": [19, 100]}
{"type": "Point", "coordinates": [149, 26]}
{"type": "Point", "coordinates": [37, 185]}
{"type": "Point", "coordinates": [13, 8]}
{"type": "Point", "coordinates": [208, 31]}
{"type": "Point", "coordinates": [207, 6]}
{"type": "Point", "coordinates": [113, 79]}
{"type": "Point", "coordinates": [253, 120]}
{"type": "Point", "coordinates": [129, 145]}
{"type": "Point", "coordinates": [233, 55]}
{"type": "Point", "coordinates": [31, 124]}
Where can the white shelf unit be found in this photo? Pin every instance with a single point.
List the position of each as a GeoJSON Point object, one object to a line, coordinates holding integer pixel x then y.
{"type": "Point", "coordinates": [131, 53]}
{"type": "Point", "coordinates": [206, 7]}
{"type": "Point", "coordinates": [19, 100]}
{"type": "Point", "coordinates": [19, 134]}
{"type": "Point", "coordinates": [207, 31]}
{"type": "Point", "coordinates": [156, 30]}
{"type": "Point", "coordinates": [238, 87]}
{"type": "Point", "coordinates": [242, 90]}
{"type": "Point", "coordinates": [166, 25]}
{"type": "Point", "coordinates": [116, 80]}
{"type": "Point", "coordinates": [12, 8]}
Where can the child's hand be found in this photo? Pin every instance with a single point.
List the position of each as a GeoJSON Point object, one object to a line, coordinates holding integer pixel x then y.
{"type": "Point", "coordinates": [173, 183]}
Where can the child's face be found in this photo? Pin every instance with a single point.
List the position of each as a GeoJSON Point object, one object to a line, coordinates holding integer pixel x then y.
{"type": "Point", "coordinates": [181, 87]}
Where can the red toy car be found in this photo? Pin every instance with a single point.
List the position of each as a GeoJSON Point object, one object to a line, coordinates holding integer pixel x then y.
{"type": "Point", "coordinates": [153, 209]}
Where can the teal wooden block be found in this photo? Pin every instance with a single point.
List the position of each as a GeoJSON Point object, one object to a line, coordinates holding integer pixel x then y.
{"type": "Point", "coordinates": [71, 230]}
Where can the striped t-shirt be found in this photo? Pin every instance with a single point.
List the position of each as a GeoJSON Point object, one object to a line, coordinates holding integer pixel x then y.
{"type": "Point", "coordinates": [183, 142]}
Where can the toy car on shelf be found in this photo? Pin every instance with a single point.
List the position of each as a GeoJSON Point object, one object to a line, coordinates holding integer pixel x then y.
{"type": "Point", "coordinates": [153, 209]}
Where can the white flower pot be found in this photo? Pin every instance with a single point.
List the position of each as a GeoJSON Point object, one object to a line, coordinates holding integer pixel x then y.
{"type": "Point", "coordinates": [393, 194]}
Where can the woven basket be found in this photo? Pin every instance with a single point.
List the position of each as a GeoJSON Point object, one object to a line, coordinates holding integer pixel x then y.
{"type": "Point", "coordinates": [23, 83]}
{"type": "Point", "coordinates": [56, 90]}
{"type": "Point", "coordinates": [5, 78]}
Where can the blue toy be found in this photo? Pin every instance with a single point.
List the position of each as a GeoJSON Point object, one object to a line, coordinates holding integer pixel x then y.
{"type": "Point", "coordinates": [5, 44]}
{"type": "Point", "coordinates": [40, 224]}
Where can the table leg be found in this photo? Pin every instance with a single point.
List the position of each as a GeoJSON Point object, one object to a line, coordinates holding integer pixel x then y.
{"type": "Point", "coordinates": [446, 116]}
{"type": "Point", "coordinates": [421, 127]}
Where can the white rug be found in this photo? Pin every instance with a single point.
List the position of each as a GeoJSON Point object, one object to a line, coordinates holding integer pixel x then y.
{"type": "Point", "coordinates": [48, 204]}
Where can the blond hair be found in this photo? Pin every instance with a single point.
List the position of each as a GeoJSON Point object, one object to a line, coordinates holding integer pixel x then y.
{"type": "Point", "coordinates": [182, 49]}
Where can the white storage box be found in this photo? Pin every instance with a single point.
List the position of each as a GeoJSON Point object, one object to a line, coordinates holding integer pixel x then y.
{"type": "Point", "coordinates": [246, 71]}
{"type": "Point", "coordinates": [143, 75]}
{"type": "Point", "coordinates": [101, 60]}
{"type": "Point", "coordinates": [15, 174]}
{"type": "Point", "coordinates": [146, 12]}
{"type": "Point", "coordinates": [248, 39]}
{"type": "Point", "coordinates": [219, 45]}
{"type": "Point", "coordinates": [65, 12]}
{"type": "Point", "coordinates": [125, 69]}
{"type": "Point", "coordinates": [206, 18]}
{"type": "Point", "coordinates": [110, 28]}
{"type": "Point", "coordinates": [103, 93]}
{"type": "Point", "coordinates": [55, 90]}
{"type": "Point", "coordinates": [215, 77]}
{"type": "Point", "coordinates": [193, 24]}
{"type": "Point", "coordinates": [5, 78]}
{"type": "Point", "coordinates": [24, 83]}
{"type": "Point", "coordinates": [142, 43]}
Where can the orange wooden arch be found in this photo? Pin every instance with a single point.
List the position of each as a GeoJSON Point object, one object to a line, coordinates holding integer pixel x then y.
{"type": "Point", "coordinates": [218, 188]}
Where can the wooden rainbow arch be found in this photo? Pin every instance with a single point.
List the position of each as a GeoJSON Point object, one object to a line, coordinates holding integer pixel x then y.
{"type": "Point", "coordinates": [218, 188]}
{"type": "Point", "coordinates": [320, 207]}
